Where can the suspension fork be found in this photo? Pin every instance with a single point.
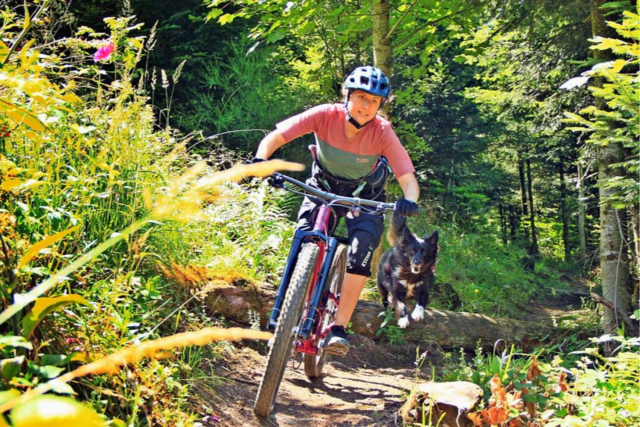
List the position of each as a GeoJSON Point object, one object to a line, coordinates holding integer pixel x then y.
{"type": "Point", "coordinates": [286, 277]}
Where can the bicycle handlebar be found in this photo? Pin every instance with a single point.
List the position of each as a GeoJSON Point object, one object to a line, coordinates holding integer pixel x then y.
{"type": "Point", "coordinates": [340, 200]}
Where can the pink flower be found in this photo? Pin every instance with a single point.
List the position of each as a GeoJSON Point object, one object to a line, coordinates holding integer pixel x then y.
{"type": "Point", "coordinates": [104, 52]}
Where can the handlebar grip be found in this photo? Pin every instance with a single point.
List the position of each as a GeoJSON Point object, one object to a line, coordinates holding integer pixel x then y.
{"type": "Point", "coordinates": [387, 207]}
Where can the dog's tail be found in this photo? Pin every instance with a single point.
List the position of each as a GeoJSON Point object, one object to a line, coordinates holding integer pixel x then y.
{"type": "Point", "coordinates": [398, 223]}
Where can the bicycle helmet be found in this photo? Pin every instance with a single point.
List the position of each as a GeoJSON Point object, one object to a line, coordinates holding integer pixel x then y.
{"type": "Point", "coordinates": [367, 79]}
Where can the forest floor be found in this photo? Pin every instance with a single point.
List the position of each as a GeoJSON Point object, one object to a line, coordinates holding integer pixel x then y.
{"type": "Point", "coordinates": [366, 388]}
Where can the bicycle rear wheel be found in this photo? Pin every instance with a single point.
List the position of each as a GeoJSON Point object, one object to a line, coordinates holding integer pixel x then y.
{"type": "Point", "coordinates": [313, 363]}
{"type": "Point", "coordinates": [283, 337]}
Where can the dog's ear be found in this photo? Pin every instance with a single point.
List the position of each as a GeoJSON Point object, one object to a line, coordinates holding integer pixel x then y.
{"type": "Point", "coordinates": [433, 239]}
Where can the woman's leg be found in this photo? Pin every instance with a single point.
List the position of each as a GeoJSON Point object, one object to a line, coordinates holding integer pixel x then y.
{"type": "Point", "coordinates": [351, 289]}
{"type": "Point", "coordinates": [364, 236]}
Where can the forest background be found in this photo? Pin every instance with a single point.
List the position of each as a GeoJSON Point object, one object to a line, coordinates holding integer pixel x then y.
{"type": "Point", "coordinates": [118, 116]}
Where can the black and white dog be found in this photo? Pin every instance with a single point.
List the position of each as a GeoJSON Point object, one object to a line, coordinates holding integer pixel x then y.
{"type": "Point", "coordinates": [407, 270]}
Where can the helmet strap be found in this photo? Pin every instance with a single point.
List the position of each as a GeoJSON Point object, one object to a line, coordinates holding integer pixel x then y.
{"type": "Point", "coordinates": [354, 123]}
{"type": "Point", "coordinates": [351, 119]}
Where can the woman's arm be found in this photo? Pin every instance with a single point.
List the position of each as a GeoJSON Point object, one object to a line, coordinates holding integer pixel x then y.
{"type": "Point", "coordinates": [410, 187]}
{"type": "Point", "coordinates": [270, 144]}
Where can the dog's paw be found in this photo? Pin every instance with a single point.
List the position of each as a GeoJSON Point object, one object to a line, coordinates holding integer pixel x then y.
{"type": "Point", "coordinates": [418, 313]}
{"type": "Point", "coordinates": [403, 322]}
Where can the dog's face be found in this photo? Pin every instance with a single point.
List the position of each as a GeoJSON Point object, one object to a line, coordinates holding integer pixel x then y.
{"type": "Point", "coordinates": [421, 253]}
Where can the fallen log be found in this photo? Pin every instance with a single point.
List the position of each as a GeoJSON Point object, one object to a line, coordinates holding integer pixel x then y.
{"type": "Point", "coordinates": [447, 329]}
{"type": "Point", "coordinates": [451, 329]}
{"type": "Point", "coordinates": [235, 301]}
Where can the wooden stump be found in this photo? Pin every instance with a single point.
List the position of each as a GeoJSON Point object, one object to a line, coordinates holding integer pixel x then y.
{"type": "Point", "coordinates": [443, 404]}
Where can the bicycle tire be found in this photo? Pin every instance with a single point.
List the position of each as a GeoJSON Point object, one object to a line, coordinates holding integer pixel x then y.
{"type": "Point", "coordinates": [284, 334]}
{"type": "Point", "coordinates": [313, 363]}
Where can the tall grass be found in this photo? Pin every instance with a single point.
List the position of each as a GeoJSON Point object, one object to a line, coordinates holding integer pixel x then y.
{"type": "Point", "coordinates": [94, 202]}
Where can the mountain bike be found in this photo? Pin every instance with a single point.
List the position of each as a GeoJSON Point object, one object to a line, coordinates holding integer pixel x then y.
{"type": "Point", "coordinates": [309, 292]}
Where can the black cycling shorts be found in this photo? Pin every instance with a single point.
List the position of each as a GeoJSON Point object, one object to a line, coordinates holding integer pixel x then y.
{"type": "Point", "coordinates": [365, 232]}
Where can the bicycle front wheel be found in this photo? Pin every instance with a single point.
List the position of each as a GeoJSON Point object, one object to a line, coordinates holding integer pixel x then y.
{"type": "Point", "coordinates": [313, 363]}
{"type": "Point", "coordinates": [283, 337]}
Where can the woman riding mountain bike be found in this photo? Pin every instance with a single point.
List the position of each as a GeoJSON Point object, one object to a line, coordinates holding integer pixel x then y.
{"type": "Point", "coordinates": [308, 296]}
{"type": "Point", "coordinates": [353, 152]}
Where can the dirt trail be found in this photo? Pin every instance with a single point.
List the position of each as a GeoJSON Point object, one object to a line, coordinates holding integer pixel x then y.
{"type": "Point", "coordinates": [364, 389]}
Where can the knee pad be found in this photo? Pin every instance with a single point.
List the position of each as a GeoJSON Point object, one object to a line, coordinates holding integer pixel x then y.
{"type": "Point", "coordinates": [362, 246]}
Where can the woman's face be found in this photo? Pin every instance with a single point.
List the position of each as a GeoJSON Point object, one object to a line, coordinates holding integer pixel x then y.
{"type": "Point", "coordinates": [363, 106]}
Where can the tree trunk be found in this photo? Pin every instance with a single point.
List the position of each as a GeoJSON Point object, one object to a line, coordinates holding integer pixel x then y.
{"type": "Point", "coordinates": [513, 223]}
{"type": "Point", "coordinates": [503, 223]}
{"type": "Point", "coordinates": [564, 215]}
{"type": "Point", "coordinates": [582, 197]}
{"type": "Point", "coordinates": [534, 238]}
{"type": "Point", "coordinates": [613, 254]}
{"type": "Point", "coordinates": [634, 220]}
{"type": "Point", "coordinates": [382, 60]}
{"type": "Point", "coordinates": [523, 198]}
{"type": "Point", "coordinates": [381, 41]}
{"type": "Point", "coordinates": [448, 329]}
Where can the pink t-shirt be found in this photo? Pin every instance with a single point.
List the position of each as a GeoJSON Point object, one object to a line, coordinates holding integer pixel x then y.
{"type": "Point", "coordinates": [348, 158]}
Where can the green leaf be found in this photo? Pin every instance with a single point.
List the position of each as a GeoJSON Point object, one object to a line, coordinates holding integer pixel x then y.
{"type": "Point", "coordinates": [14, 342]}
{"type": "Point", "coordinates": [62, 388]}
{"type": "Point", "coordinates": [307, 27]}
{"type": "Point", "coordinates": [43, 307]}
{"type": "Point", "coordinates": [475, 377]}
{"type": "Point", "coordinates": [9, 368]}
{"type": "Point", "coordinates": [275, 36]}
{"type": "Point", "coordinates": [50, 410]}
{"type": "Point", "coordinates": [46, 372]}
{"type": "Point", "coordinates": [55, 359]}
{"type": "Point", "coordinates": [496, 365]}
{"type": "Point", "coordinates": [213, 14]}
{"type": "Point", "coordinates": [227, 18]}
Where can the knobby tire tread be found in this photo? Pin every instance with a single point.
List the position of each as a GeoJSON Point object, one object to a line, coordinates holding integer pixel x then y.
{"type": "Point", "coordinates": [283, 336]}
{"type": "Point", "coordinates": [314, 363]}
